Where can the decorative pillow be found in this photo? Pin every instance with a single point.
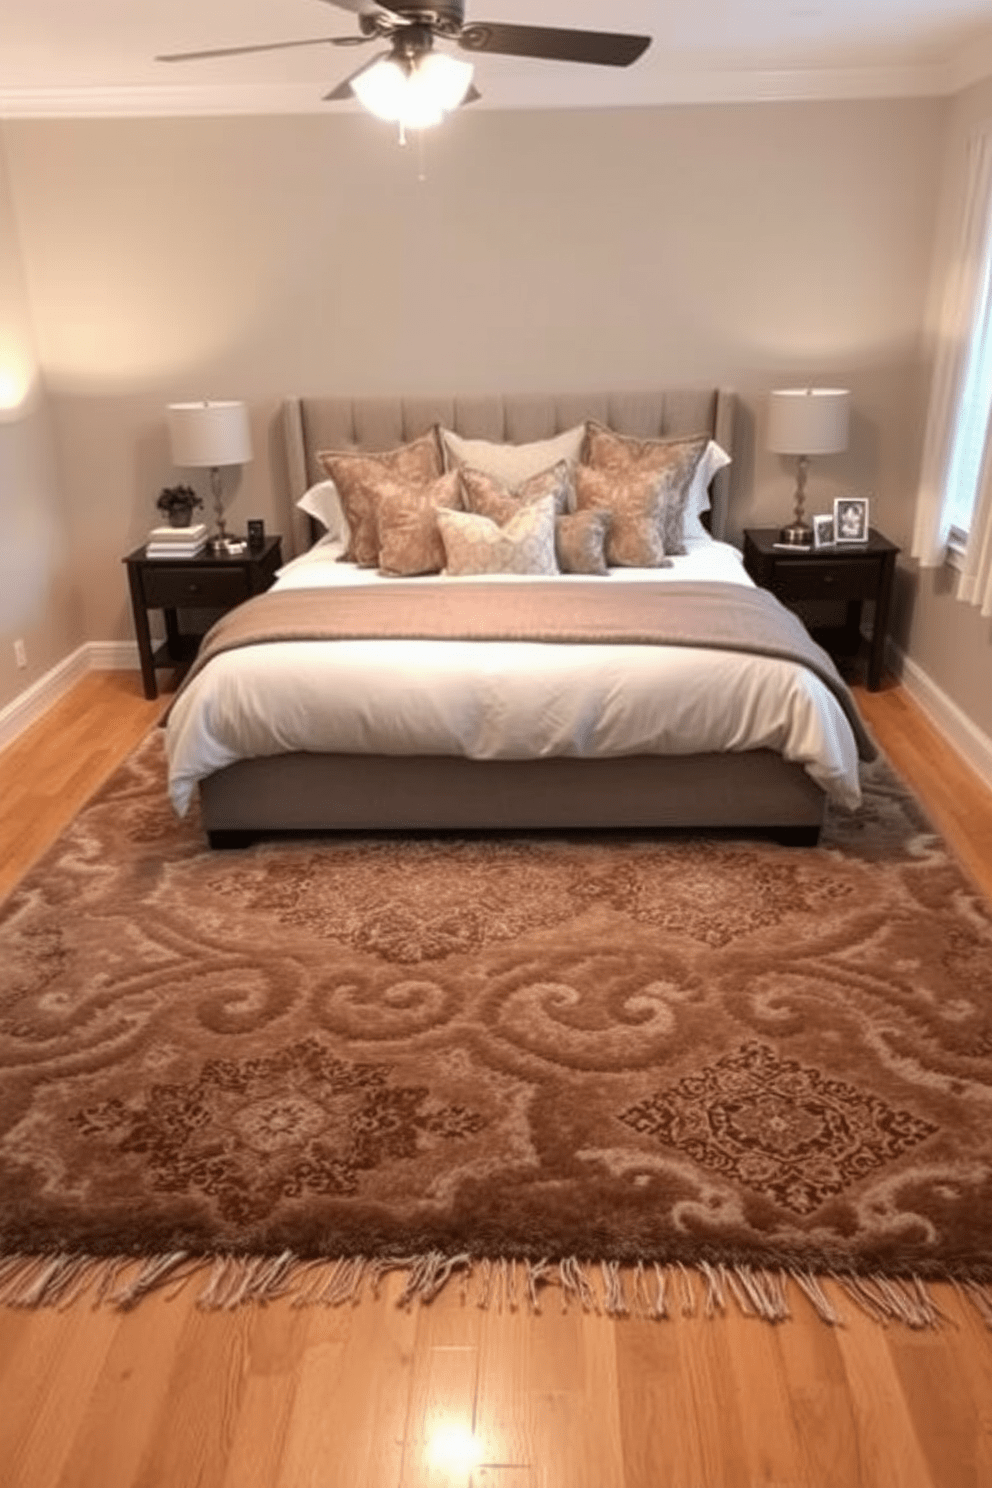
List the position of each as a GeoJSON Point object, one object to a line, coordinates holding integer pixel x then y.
{"type": "Point", "coordinates": [323, 503]}
{"type": "Point", "coordinates": [526, 545]}
{"type": "Point", "coordinates": [512, 463]}
{"type": "Point", "coordinates": [580, 542]}
{"type": "Point", "coordinates": [488, 497]}
{"type": "Point", "coordinates": [714, 458]}
{"type": "Point", "coordinates": [635, 501]}
{"type": "Point", "coordinates": [675, 460]}
{"type": "Point", "coordinates": [357, 474]}
{"type": "Point", "coordinates": [409, 537]}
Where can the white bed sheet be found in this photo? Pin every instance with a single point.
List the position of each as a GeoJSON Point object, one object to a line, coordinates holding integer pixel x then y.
{"type": "Point", "coordinates": [505, 700]}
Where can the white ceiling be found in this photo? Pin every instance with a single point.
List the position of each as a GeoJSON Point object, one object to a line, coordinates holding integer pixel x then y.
{"type": "Point", "coordinates": [97, 57]}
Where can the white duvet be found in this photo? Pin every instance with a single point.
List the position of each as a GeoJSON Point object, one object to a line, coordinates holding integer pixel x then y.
{"type": "Point", "coordinates": [505, 700]}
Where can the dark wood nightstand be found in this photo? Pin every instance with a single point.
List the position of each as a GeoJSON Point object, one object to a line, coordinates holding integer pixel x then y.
{"type": "Point", "coordinates": [211, 581]}
{"type": "Point", "coordinates": [849, 574]}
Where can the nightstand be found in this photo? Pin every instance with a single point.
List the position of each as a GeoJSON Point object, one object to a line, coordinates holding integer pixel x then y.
{"type": "Point", "coordinates": [849, 574]}
{"type": "Point", "coordinates": [211, 581]}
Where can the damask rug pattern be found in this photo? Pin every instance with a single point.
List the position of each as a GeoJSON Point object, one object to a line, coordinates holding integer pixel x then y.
{"type": "Point", "coordinates": [623, 1048]}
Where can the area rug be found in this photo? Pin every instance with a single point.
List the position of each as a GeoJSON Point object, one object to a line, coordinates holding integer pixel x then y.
{"type": "Point", "coordinates": [512, 1057]}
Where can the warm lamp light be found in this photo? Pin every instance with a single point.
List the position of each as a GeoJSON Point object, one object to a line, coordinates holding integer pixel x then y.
{"type": "Point", "coordinates": [211, 435]}
{"type": "Point", "coordinates": [414, 91]}
{"type": "Point", "coordinates": [804, 422]}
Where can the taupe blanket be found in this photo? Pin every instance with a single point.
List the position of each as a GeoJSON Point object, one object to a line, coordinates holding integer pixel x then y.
{"type": "Point", "coordinates": [721, 617]}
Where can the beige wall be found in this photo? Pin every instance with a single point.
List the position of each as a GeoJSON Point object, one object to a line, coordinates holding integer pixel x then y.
{"type": "Point", "coordinates": [39, 603]}
{"type": "Point", "coordinates": [753, 245]}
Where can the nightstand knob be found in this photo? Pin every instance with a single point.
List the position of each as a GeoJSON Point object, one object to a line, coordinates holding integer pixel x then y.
{"type": "Point", "coordinates": [829, 578]}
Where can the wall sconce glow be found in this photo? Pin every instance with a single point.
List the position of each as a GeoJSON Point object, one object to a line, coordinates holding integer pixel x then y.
{"type": "Point", "coordinates": [15, 390]}
{"type": "Point", "coordinates": [414, 92]}
{"type": "Point", "coordinates": [454, 1448]}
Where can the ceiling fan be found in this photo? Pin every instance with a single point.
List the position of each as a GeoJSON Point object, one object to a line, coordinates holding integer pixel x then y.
{"type": "Point", "coordinates": [414, 85]}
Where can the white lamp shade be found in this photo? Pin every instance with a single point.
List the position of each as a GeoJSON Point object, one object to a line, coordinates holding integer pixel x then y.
{"type": "Point", "coordinates": [211, 434]}
{"type": "Point", "coordinates": [808, 421]}
{"type": "Point", "coordinates": [418, 95]}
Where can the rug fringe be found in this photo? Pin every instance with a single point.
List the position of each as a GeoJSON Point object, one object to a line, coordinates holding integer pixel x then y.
{"type": "Point", "coordinates": [647, 1291]}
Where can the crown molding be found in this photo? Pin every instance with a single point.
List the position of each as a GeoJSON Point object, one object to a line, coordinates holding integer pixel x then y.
{"type": "Point", "coordinates": [650, 90]}
{"type": "Point", "coordinates": [972, 66]}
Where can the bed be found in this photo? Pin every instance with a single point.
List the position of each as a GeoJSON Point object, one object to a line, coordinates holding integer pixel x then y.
{"type": "Point", "coordinates": [411, 733]}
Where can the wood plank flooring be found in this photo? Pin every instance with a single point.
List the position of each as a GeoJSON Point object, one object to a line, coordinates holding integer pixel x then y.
{"type": "Point", "coordinates": [53, 768]}
{"type": "Point", "coordinates": [452, 1396]}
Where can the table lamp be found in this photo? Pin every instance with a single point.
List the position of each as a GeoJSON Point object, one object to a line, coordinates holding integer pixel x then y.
{"type": "Point", "coordinates": [211, 435]}
{"type": "Point", "coordinates": [804, 422]}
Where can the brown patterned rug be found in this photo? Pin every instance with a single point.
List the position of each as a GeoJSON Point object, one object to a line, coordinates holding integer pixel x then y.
{"type": "Point", "coordinates": [620, 1049]}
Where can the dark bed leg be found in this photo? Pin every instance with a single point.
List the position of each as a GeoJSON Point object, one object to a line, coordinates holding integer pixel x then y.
{"type": "Point", "coordinates": [797, 836]}
{"type": "Point", "coordinates": [226, 839]}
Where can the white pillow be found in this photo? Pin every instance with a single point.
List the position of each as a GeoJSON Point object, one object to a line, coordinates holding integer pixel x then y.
{"type": "Point", "coordinates": [476, 545]}
{"type": "Point", "coordinates": [713, 458]}
{"type": "Point", "coordinates": [512, 464]}
{"type": "Point", "coordinates": [323, 503]}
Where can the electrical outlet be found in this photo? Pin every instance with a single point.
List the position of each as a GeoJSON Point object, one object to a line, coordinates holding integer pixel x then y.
{"type": "Point", "coordinates": [20, 655]}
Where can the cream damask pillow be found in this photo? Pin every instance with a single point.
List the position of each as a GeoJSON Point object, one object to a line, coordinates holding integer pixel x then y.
{"type": "Point", "coordinates": [580, 542]}
{"type": "Point", "coordinates": [476, 545]}
{"type": "Point", "coordinates": [489, 497]}
{"type": "Point", "coordinates": [635, 502]}
{"type": "Point", "coordinates": [409, 537]}
{"type": "Point", "coordinates": [358, 477]}
{"type": "Point", "coordinates": [673, 461]}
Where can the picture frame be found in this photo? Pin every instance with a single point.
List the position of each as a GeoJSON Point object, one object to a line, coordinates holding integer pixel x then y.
{"type": "Point", "coordinates": [850, 520]}
{"type": "Point", "coordinates": [823, 530]}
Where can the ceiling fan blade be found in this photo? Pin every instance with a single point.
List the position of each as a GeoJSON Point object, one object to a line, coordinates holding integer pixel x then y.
{"type": "Point", "coordinates": [343, 90]}
{"type": "Point", "coordinates": [265, 46]}
{"type": "Point", "coordinates": [551, 44]}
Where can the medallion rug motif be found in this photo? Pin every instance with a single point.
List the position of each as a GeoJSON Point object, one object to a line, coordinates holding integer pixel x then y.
{"type": "Point", "coordinates": [621, 1048]}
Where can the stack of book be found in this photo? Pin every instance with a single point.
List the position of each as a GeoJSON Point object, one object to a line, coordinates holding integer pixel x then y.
{"type": "Point", "coordinates": [176, 542]}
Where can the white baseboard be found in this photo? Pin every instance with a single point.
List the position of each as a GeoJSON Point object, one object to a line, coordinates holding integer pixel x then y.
{"type": "Point", "coordinates": [966, 737]}
{"type": "Point", "coordinates": [35, 701]}
{"type": "Point", "coordinates": [113, 656]}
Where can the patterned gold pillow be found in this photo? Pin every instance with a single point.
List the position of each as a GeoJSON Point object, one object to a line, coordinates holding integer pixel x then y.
{"type": "Point", "coordinates": [635, 501]}
{"type": "Point", "coordinates": [488, 497]}
{"type": "Point", "coordinates": [674, 460]}
{"type": "Point", "coordinates": [476, 545]}
{"type": "Point", "coordinates": [409, 537]}
{"type": "Point", "coordinates": [357, 475]}
{"type": "Point", "coordinates": [580, 542]}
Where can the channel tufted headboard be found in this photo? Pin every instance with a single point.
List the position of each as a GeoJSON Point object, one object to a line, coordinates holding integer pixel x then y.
{"type": "Point", "coordinates": [312, 424]}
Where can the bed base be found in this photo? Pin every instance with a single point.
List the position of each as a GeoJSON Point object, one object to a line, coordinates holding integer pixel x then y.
{"type": "Point", "coordinates": [754, 792]}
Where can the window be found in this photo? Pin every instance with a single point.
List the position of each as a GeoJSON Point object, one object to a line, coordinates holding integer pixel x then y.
{"type": "Point", "coordinates": [971, 417]}
{"type": "Point", "coordinates": [954, 503]}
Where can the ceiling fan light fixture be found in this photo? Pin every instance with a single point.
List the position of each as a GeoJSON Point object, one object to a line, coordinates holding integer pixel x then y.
{"type": "Point", "coordinates": [415, 92]}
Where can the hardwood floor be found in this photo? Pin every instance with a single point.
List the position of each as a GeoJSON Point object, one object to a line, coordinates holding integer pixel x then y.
{"type": "Point", "coordinates": [378, 1397]}
{"type": "Point", "coordinates": [48, 773]}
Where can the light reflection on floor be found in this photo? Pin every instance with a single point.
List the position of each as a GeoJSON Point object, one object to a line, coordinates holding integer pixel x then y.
{"type": "Point", "coordinates": [454, 1448]}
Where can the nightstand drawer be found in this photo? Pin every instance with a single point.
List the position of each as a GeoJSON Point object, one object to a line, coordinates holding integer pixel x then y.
{"type": "Point", "coordinates": [203, 587]}
{"type": "Point", "coordinates": [831, 578]}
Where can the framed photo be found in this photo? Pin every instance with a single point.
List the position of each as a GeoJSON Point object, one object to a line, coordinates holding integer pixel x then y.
{"type": "Point", "coordinates": [851, 519]}
{"type": "Point", "coordinates": [823, 531]}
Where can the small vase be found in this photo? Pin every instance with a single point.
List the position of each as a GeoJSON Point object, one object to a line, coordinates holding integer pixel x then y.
{"type": "Point", "coordinates": [180, 516]}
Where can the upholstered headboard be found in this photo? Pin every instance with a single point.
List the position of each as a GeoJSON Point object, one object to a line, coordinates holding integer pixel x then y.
{"type": "Point", "coordinates": [312, 424]}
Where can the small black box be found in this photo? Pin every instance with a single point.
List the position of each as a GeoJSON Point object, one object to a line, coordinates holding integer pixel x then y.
{"type": "Point", "coordinates": [256, 534]}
